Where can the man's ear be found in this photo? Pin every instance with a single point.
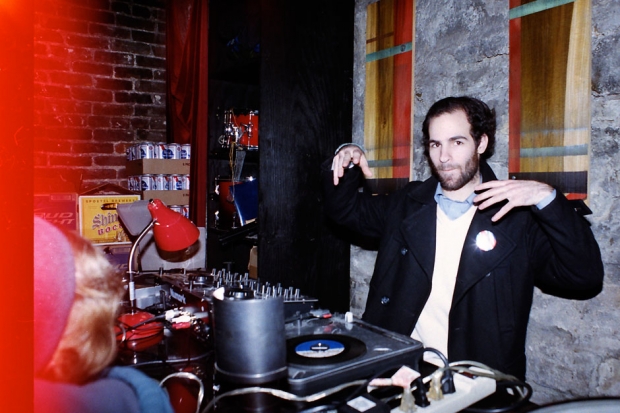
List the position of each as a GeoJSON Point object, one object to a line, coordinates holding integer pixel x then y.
{"type": "Point", "coordinates": [482, 145]}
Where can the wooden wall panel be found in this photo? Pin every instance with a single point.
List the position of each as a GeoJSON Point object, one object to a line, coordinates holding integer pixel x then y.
{"type": "Point", "coordinates": [389, 77]}
{"type": "Point", "coordinates": [550, 93]}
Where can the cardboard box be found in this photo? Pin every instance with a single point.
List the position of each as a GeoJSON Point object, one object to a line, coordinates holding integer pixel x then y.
{"type": "Point", "coordinates": [158, 166]}
{"type": "Point", "coordinates": [99, 221]}
{"type": "Point", "coordinates": [168, 197]}
{"type": "Point", "coordinates": [60, 209]}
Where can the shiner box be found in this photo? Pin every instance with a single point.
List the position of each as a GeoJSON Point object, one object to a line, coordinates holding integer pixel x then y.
{"type": "Point", "coordinates": [99, 221]}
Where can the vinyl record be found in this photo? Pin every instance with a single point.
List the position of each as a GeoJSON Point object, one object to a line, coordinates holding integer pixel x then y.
{"type": "Point", "coordinates": [323, 349]}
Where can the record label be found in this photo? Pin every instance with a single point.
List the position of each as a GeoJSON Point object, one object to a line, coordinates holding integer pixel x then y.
{"type": "Point", "coordinates": [319, 348]}
{"type": "Point", "coordinates": [323, 349]}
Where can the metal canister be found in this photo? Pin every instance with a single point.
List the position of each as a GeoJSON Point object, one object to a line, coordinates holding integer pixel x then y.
{"type": "Point", "coordinates": [185, 181]}
{"type": "Point", "coordinates": [175, 182]}
{"type": "Point", "coordinates": [159, 149]}
{"type": "Point", "coordinates": [147, 150]}
{"type": "Point", "coordinates": [147, 182]}
{"type": "Point", "coordinates": [186, 151]}
{"type": "Point", "coordinates": [161, 182]}
{"type": "Point", "coordinates": [249, 342]}
{"type": "Point", "coordinates": [172, 151]}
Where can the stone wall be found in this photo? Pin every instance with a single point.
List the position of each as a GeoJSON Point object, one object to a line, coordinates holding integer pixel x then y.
{"type": "Point", "coordinates": [461, 47]}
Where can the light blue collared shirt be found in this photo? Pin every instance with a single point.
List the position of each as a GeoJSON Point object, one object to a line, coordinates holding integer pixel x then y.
{"type": "Point", "coordinates": [453, 209]}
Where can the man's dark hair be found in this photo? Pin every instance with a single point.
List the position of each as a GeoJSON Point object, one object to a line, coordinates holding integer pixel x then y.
{"type": "Point", "coordinates": [480, 117]}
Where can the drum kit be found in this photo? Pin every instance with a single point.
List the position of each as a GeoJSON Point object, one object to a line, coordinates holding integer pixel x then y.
{"type": "Point", "coordinates": [240, 130]}
{"type": "Point", "coordinates": [240, 136]}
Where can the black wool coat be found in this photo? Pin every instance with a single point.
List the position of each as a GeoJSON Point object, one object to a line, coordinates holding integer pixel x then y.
{"type": "Point", "coordinates": [552, 248]}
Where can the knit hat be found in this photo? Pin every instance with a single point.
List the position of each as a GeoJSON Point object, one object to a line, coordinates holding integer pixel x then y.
{"type": "Point", "coordinates": [54, 289]}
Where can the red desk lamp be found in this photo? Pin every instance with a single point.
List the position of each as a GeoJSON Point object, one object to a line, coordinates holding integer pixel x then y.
{"type": "Point", "coordinates": [171, 232]}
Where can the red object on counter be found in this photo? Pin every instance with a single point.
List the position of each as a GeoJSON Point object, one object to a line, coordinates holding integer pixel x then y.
{"type": "Point", "coordinates": [172, 231]}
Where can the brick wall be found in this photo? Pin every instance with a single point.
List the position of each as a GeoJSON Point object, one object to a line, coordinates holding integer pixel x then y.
{"type": "Point", "coordinates": [99, 86]}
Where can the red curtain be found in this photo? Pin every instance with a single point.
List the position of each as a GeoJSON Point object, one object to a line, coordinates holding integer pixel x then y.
{"type": "Point", "coordinates": [187, 28]}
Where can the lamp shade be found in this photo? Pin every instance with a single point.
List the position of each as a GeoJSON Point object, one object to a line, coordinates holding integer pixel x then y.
{"type": "Point", "coordinates": [172, 231]}
{"type": "Point", "coordinates": [135, 216]}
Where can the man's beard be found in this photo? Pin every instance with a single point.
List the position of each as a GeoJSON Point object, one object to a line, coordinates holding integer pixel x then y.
{"type": "Point", "coordinates": [453, 184]}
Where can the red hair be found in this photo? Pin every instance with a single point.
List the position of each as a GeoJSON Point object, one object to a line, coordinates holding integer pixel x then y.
{"type": "Point", "coordinates": [88, 343]}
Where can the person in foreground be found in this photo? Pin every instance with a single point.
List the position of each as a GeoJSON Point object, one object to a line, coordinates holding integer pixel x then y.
{"type": "Point", "coordinates": [76, 299]}
{"type": "Point", "coordinates": [460, 253]}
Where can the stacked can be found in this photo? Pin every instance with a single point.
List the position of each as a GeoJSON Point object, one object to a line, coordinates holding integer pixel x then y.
{"type": "Point", "coordinates": [172, 151]}
{"type": "Point", "coordinates": [158, 150]}
{"type": "Point", "coordinates": [161, 182]}
{"type": "Point", "coordinates": [158, 182]}
{"type": "Point", "coordinates": [175, 182]}
{"type": "Point", "coordinates": [133, 183]}
{"type": "Point", "coordinates": [147, 182]}
{"type": "Point", "coordinates": [186, 151]}
{"type": "Point", "coordinates": [181, 209]}
{"type": "Point", "coordinates": [146, 150]}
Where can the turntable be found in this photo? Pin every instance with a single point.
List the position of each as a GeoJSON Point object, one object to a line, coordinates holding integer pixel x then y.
{"type": "Point", "coordinates": [323, 353]}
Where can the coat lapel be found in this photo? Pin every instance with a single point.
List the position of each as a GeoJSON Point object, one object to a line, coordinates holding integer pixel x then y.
{"type": "Point", "coordinates": [475, 263]}
{"type": "Point", "coordinates": [419, 227]}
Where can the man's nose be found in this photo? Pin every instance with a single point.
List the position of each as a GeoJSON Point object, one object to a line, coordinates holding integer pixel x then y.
{"type": "Point", "coordinates": [444, 154]}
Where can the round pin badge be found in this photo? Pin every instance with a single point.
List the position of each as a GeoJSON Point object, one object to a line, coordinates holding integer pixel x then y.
{"type": "Point", "coordinates": [485, 240]}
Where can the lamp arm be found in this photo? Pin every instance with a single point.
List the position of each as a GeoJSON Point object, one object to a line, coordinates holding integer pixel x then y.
{"type": "Point", "coordinates": [132, 253]}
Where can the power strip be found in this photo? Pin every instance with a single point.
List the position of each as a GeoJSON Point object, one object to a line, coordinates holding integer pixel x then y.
{"type": "Point", "coordinates": [468, 391]}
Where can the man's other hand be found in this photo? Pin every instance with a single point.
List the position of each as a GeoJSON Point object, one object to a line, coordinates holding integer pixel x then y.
{"type": "Point", "coordinates": [347, 156]}
{"type": "Point", "coordinates": [517, 193]}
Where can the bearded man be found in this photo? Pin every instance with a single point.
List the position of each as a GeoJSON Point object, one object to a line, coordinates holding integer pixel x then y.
{"type": "Point", "coordinates": [460, 253]}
